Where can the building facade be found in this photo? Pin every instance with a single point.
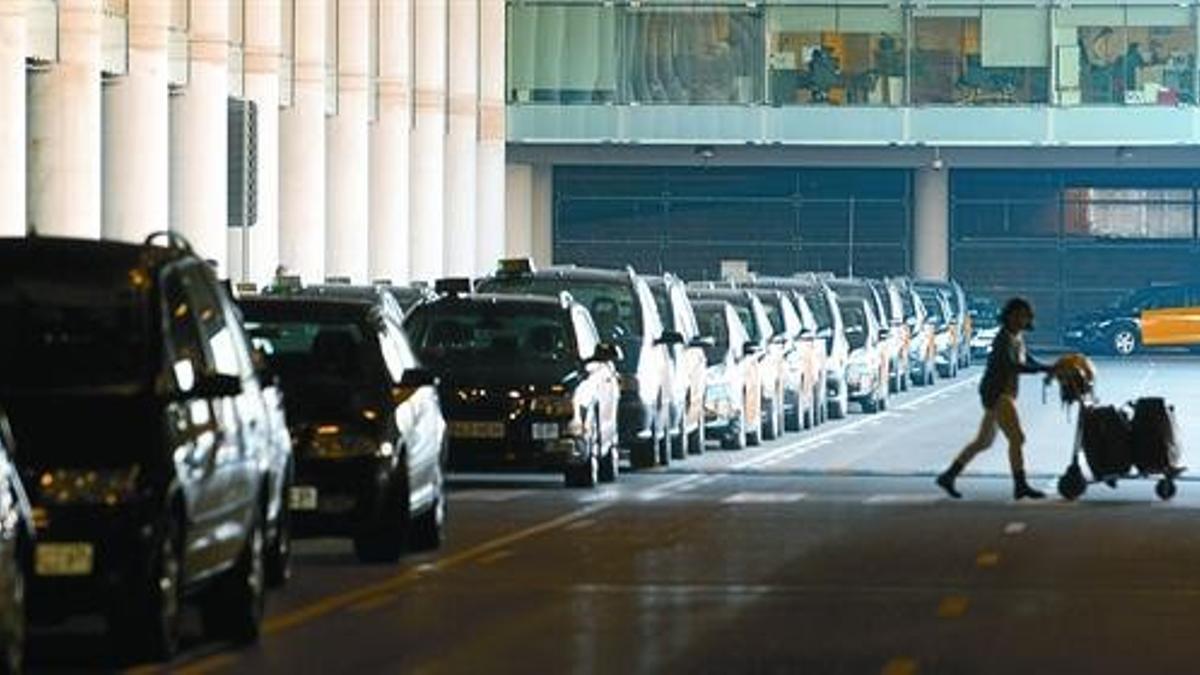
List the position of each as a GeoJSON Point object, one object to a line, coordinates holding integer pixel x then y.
{"type": "Point", "coordinates": [332, 138]}
{"type": "Point", "coordinates": [1042, 148]}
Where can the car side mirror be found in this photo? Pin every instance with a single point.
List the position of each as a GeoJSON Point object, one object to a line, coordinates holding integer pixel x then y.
{"type": "Point", "coordinates": [415, 378]}
{"type": "Point", "coordinates": [607, 352]}
{"type": "Point", "coordinates": [214, 386]}
{"type": "Point", "coordinates": [670, 338]}
{"type": "Point", "coordinates": [703, 341]}
{"type": "Point", "coordinates": [751, 349]}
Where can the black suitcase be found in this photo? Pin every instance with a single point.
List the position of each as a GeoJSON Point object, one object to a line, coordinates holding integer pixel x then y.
{"type": "Point", "coordinates": [1153, 436]}
{"type": "Point", "coordinates": [1106, 441]}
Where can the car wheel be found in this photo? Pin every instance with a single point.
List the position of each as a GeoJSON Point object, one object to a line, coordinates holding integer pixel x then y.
{"type": "Point", "coordinates": [662, 436]}
{"type": "Point", "coordinates": [610, 468]}
{"type": "Point", "coordinates": [644, 454]}
{"type": "Point", "coordinates": [735, 438]}
{"type": "Point", "coordinates": [234, 607]}
{"type": "Point", "coordinates": [585, 475]}
{"type": "Point", "coordinates": [839, 406]}
{"type": "Point", "coordinates": [1124, 341]}
{"type": "Point", "coordinates": [279, 553]}
{"type": "Point", "coordinates": [770, 428]}
{"type": "Point", "coordinates": [149, 622]}
{"type": "Point", "coordinates": [428, 530]}
{"type": "Point", "coordinates": [678, 438]}
{"type": "Point", "coordinates": [383, 541]}
{"type": "Point", "coordinates": [696, 439]}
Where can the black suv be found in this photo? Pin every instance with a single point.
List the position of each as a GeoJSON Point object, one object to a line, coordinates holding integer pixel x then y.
{"type": "Point", "coordinates": [626, 315]}
{"type": "Point", "coordinates": [134, 406]}
{"type": "Point", "coordinates": [525, 382]}
{"type": "Point", "coordinates": [365, 419]}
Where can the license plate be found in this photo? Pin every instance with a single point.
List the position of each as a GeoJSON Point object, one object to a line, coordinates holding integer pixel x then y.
{"type": "Point", "coordinates": [335, 504]}
{"type": "Point", "coordinates": [63, 560]}
{"type": "Point", "coordinates": [545, 431]}
{"type": "Point", "coordinates": [477, 430]}
{"type": "Point", "coordinates": [302, 498]}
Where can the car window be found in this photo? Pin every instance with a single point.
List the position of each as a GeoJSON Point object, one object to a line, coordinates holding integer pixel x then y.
{"type": "Point", "coordinates": [1166, 298]}
{"type": "Point", "coordinates": [858, 323]}
{"type": "Point", "coordinates": [214, 329]}
{"type": "Point", "coordinates": [185, 346]}
{"type": "Point", "coordinates": [499, 333]}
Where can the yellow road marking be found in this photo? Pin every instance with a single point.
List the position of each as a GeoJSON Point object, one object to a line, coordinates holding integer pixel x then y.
{"type": "Point", "coordinates": [987, 559]}
{"type": "Point", "coordinates": [494, 557]}
{"type": "Point", "coordinates": [208, 665]}
{"type": "Point", "coordinates": [373, 604]}
{"type": "Point", "coordinates": [952, 607]}
{"type": "Point", "coordinates": [580, 524]}
{"type": "Point", "coordinates": [900, 666]}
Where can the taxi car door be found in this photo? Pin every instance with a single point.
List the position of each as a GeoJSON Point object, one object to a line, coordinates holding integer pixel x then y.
{"type": "Point", "coordinates": [693, 361]}
{"type": "Point", "coordinates": [1171, 317]}
{"type": "Point", "coordinates": [418, 416]}
{"type": "Point", "coordinates": [601, 376]}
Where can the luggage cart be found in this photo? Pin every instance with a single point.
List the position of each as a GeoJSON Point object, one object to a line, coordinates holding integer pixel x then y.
{"type": "Point", "coordinates": [1073, 483]}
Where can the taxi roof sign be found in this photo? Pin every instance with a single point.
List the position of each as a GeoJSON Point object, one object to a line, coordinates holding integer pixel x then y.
{"type": "Point", "coordinates": [454, 286]}
{"type": "Point", "coordinates": [515, 266]}
{"type": "Point", "coordinates": [338, 281]}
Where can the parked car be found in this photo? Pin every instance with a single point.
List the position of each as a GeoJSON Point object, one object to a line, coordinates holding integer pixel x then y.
{"type": "Point", "coordinates": [771, 366]}
{"type": "Point", "coordinates": [1155, 316]}
{"type": "Point", "coordinates": [733, 397]}
{"type": "Point", "coordinates": [16, 541]}
{"type": "Point", "coordinates": [525, 382]}
{"type": "Point", "coordinates": [158, 488]}
{"type": "Point", "coordinates": [896, 331]}
{"type": "Point", "coordinates": [937, 304]}
{"type": "Point", "coordinates": [800, 396]}
{"type": "Point", "coordinates": [831, 331]}
{"type": "Point", "coordinates": [625, 314]}
{"type": "Point", "coordinates": [365, 420]}
{"type": "Point", "coordinates": [411, 295]}
{"type": "Point", "coordinates": [850, 292]}
{"type": "Point", "coordinates": [922, 352]}
{"type": "Point", "coordinates": [960, 319]}
{"type": "Point", "coordinates": [687, 361]}
{"type": "Point", "coordinates": [867, 375]}
{"type": "Point", "coordinates": [985, 321]}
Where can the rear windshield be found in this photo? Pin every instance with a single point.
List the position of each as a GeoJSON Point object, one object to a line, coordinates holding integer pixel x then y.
{"type": "Point", "coordinates": [330, 353]}
{"type": "Point", "coordinates": [73, 327]}
{"type": "Point", "coordinates": [613, 305]}
{"type": "Point", "coordinates": [498, 333]}
{"type": "Point", "coordinates": [712, 324]}
{"type": "Point", "coordinates": [933, 304]}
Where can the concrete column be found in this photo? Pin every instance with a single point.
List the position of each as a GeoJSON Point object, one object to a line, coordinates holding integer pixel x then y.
{"type": "Point", "coordinates": [389, 230]}
{"type": "Point", "coordinates": [347, 193]}
{"type": "Point", "coordinates": [200, 136]}
{"type": "Point", "coordinates": [931, 226]}
{"type": "Point", "coordinates": [254, 254]}
{"type": "Point", "coordinates": [63, 143]}
{"type": "Point", "coordinates": [137, 133]}
{"type": "Point", "coordinates": [459, 249]}
{"type": "Point", "coordinates": [12, 109]}
{"type": "Point", "coordinates": [428, 148]}
{"type": "Point", "coordinates": [518, 237]}
{"type": "Point", "coordinates": [490, 174]}
{"type": "Point", "coordinates": [302, 149]}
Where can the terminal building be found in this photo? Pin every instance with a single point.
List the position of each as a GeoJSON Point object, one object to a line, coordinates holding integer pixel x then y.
{"type": "Point", "coordinates": [1042, 148]}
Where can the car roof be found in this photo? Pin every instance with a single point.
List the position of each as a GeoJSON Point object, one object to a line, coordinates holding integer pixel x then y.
{"type": "Point", "coordinates": [317, 307]}
{"type": "Point", "coordinates": [515, 300]}
{"type": "Point", "coordinates": [60, 251]}
{"type": "Point", "coordinates": [595, 274]}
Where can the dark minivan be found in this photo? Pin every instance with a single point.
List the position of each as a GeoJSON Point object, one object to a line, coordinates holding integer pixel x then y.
{"type": "Point", "coordinates": [134, 407]}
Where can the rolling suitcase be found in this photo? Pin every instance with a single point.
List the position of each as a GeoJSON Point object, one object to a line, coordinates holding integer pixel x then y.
{"type": "Point", "coordinates": [1153, 437]}
{"type": "Point", "coordinates": [1106, 441]}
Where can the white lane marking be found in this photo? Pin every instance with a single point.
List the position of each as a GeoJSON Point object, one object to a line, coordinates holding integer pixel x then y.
{"type": "Point", "coordinates": [580, 524]}
{"type": "Point", "coordinates": [490, 496]}
{"type": "Point", "coordinates": [764, 498]}
{"type": "Point", "coordinates": [605, 494]}
{"type": "Point", "coordinates": [902, 499]}
{"type": "Point", "coordinates": [666, 489]}
{"type": "Point", "coordinates": [1015, 528]}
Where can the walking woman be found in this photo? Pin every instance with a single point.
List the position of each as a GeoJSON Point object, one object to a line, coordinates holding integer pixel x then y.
{"type": "Point", "coordinates": [998, 390]}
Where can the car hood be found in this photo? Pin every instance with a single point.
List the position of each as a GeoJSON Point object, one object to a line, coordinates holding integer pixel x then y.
{"type": "Point", "coordinates": [507, 376]}
{"type": "Point", "coordinates": [86, 428]}
{"type": "Point", "coordinates": [1097, 316]}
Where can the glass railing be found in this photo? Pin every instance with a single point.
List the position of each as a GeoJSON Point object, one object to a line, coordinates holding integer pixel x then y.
{"type": "Point", "coordinates": [114, 37]}
{"type": "Point", "coordinates": [41, 21]}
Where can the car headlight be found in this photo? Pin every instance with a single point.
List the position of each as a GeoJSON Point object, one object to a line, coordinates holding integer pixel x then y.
{"type": "Point", "coordinates": [109, 487]}
{"type": "Point", "coordinates": [943, 340]}
{"type": "Point", "coordinates": [553, 406]}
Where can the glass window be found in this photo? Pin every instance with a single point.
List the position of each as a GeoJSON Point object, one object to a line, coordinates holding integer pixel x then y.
{"type": "Point", "coordinates": [114, 37]}
{"type": "Point", "coordinates": [562, 54]}
{"type": "Point", "coordinates": [211, 317]}
{"type": "Point", "coordinates": [1125, 56]}
{"type": "Point", "coordinates": [836, 55]}
{"type": "Point", "coordinates": [692, 55]}
{"type": "Point", "coordinates": [1128, 213]}
{"type": "Point", "coordinates": [972, 57]}
{"type": "Point", "coordinates": [237, 48]}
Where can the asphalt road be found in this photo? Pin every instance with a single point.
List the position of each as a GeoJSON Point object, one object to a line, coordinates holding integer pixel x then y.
{"type": "Point", "coordinates": [825, 552]}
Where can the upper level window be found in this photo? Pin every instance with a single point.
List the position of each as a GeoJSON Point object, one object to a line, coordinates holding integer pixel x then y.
{"type": "Point", "coordinates": [562, 54]}
{"type": "Point", "coordinates": [1133, 213]}
{"type": "Point", "coordinates": [114, 37]}
{"type": "Point", "coordinates": [836, 55]}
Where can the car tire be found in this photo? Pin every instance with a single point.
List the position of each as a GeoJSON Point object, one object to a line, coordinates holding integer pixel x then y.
{"type": "Point", "coordinates": [279, 553]}
{"type": "Point", "coordinates": [839, 407]}
{"type": "Point", "coordinates": [644, 454]}
{"type": "Point", "coordinates": [754, 433]}
{"type": "Point", "coordinates": [677, 439]}
{"type": "Point", "coordinates": [586, 475]}
{"type": "Point", "coordinates": [233, 608]}
{"type": "Point", "coordinates": [1124, 341]}
{"type": "Point", "coordinates": [428, 530]}
{"type": "Point", "coordinates": [610, 467]}
{"type": "Point", "coordinates": [696, 440]}
{"type": "Point", "coordinates": [870, 406]}
{"type": "Point", "coordinates": [770, 425]}
{"type": "Point", "coordinates": [149, 622]}
{"type": "Point", "coordinates": [384, 541]}
{"type": "Point", "coordinates": [735, 438]}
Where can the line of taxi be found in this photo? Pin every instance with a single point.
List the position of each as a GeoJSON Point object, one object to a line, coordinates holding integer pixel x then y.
{"type": "Point", "coordinates": [248, 419]}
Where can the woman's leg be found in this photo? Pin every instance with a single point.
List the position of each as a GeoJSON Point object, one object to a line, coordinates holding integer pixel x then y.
{"type": "Point", "coordinates": [1010, 424]}
{"type": "Point", "coordinates": [982, 441]}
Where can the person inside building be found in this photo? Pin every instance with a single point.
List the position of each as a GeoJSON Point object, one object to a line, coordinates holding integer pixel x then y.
{"type": "Point", "coordinates": [998, 392]}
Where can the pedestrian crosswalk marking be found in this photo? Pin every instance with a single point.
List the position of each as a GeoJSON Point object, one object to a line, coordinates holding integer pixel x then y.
{"type": "Point", "coordinates": [764, 498]}
{"type": "Point", "coordinates": [902, 499]}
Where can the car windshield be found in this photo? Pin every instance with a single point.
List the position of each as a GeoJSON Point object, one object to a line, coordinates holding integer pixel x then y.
{"type": "Point", "coordinates": [775, 315]}
{"type": "Point", "coordinates": [332, 353]}
{"type": "Point", "coordinates": [662, 301]}
{"type": "Point", "coordinates": [613, 305]}
{"type": "Point", "coordinates": [76, 327]}
{"type": "Point", "coordinates": [497, 334]}
{"type": "Point", "coordinates": [933, 305]}
{"type": "Point", "coordinates": [854, 314]}
{"type": "Point", "coordinates": [711, 319]}
{"type": "Point", "coordinates": [407, 297]}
